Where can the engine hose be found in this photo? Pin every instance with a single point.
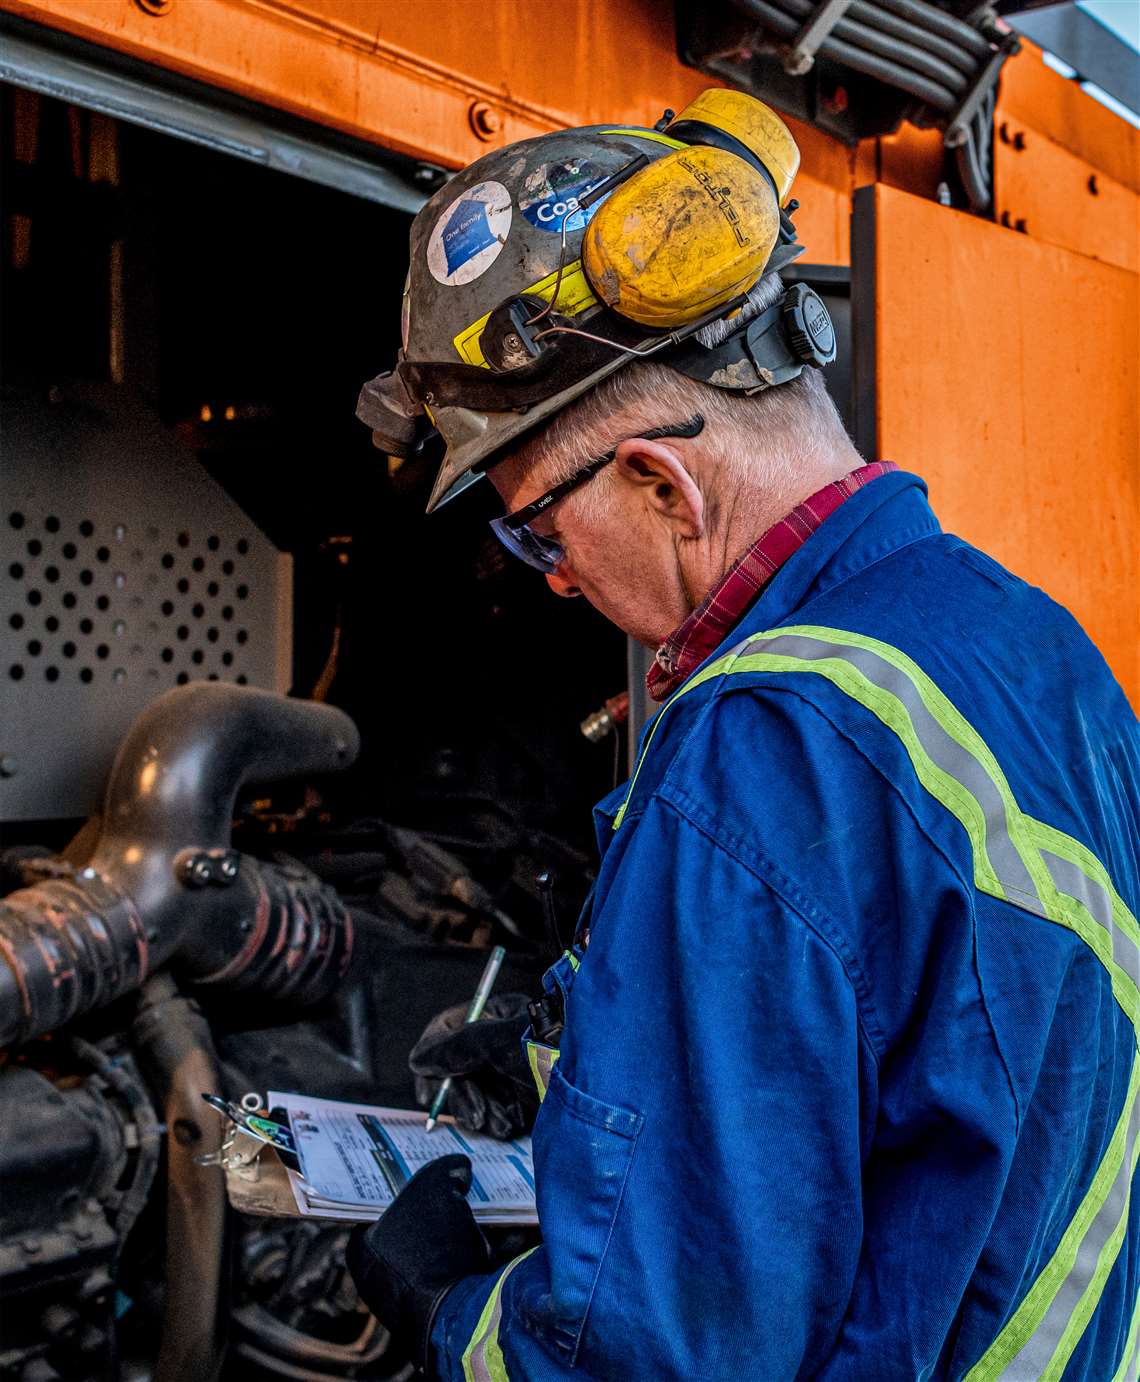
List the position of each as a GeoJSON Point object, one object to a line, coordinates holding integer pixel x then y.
{"type": "Point", "coordinates": [67, 946]}
{"type": "Point", "coordinates": [297, 939]}
{"type": "Point", "coordinates": [162, 885]}
{"type": "Point", "coordinates": [931, 93]}
{"type": "Point", "coordinates": [893, 50]}
{"type": "Point", "coordinates": [940, 23]}
{"type": "Point", "coordinates": [876, 17]}
{"type": "Point", "coordinates": [146, 1125]}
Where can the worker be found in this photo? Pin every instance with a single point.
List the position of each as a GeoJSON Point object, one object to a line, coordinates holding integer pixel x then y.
{"type": "Point", "coordinates": [840, 1074]}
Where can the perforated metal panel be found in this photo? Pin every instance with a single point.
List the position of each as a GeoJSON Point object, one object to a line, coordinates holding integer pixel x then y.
{"type": "Point", "coordinates": [124, 570]}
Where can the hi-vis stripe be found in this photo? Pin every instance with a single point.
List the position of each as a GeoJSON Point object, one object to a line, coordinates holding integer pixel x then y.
{"type": "Point", "coordinates": [483, 1357]}
{"type": "Point", "coordinates": [1037, 868]}
{"type": "Point", "coordinates": [541, 1059]}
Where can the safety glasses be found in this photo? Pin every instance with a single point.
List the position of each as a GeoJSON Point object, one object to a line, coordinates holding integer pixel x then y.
{"type": "Point", "coordinates": [545, 553]}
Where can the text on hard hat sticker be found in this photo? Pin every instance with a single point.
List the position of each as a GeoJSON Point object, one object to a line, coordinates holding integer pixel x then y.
{"type": "Point", "coordinates": [552, 192]}
{"type": "Point", "coordinates": [468, 236]}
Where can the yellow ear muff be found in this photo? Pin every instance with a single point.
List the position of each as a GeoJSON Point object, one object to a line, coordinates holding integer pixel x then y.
{"type": "Point", "coordinates": [683, 236]}
{"type": "Point", "coordinates": [746, 121]}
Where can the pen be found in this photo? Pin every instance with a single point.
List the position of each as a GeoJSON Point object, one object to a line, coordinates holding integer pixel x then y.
{"type": "Point", "coordinates": [474, 1013]}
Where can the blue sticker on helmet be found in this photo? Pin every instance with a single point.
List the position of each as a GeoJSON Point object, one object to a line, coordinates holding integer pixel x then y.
{"type": "Point", "coordinates": [468, 237]}
{"type": "Point", "coordinates": [465, 234]}
{"type": "Point", "coordinates": [554, 191]}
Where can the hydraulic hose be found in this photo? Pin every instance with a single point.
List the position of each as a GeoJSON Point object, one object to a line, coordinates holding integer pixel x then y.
{"type": "Point", "coordinates": [932, 93]}
{"type": "Point", "coordinates": [876, 17]}
{"type": "Point", "coordinates": [940, 23]}
{"type": "Point", "coordinates": [892, 49]}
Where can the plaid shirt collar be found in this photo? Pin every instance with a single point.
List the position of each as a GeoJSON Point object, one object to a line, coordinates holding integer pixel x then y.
{"type": "Point", "coordinates": [733, 595]}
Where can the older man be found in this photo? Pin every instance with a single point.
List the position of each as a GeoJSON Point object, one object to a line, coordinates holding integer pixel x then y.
{"type": "Point", "coordinates": [840, 1075]}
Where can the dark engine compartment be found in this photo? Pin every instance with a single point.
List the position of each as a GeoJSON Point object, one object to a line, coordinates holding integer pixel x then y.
{"type": "Point", "coordinates": [273, 891]}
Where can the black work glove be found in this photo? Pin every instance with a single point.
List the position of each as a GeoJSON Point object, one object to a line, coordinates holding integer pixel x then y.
{"type": "Point", "coordinates": [407, 1261]}
{"type": "Point", "coordinates": [492, 1089]}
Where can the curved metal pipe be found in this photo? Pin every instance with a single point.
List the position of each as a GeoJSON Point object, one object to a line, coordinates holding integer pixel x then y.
{"type": "Point", "coordinates": [150, 892]}
{"type": "Point", "coordinates": [178, 772]}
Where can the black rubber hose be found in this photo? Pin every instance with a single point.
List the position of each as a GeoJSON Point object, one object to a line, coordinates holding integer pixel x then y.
{"type": "Point", "coordinates": [146, 1125]}
{"type": "Point", "coordinates": [932, 93]}
{"type": "Point", "coordinates": [938, 22]}
{"type": "Point", "coordinates": [882, 45]}
{"type": "Point", "coordinates": [876, 17]}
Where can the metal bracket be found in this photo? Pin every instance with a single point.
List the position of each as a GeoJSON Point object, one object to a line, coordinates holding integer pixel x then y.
{"type": "Point", "coordinates": [801, 54]}
{"type": "Point", "coordinates": [958, 130]}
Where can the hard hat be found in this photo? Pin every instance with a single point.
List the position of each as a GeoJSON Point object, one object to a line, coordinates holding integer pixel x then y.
{"type": "Point", "coordinates": [549, 264]}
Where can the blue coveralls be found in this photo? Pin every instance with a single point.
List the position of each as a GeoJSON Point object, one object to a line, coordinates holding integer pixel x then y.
{"type": "Point", "coordinates": [849, 1084]}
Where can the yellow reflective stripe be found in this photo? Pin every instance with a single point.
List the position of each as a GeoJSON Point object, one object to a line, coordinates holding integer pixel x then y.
{"type": "Point", "coordinates": [655, 135]}
{"type": "Point", "coordinates": [574, 960]}
{"type": "Point", "coordinates": [1025, 1320]}
{"type": "Point", "coordinates": [574, 296]}
{"type": "Point", "coordinates": [1126, 1372]}
{"type": "Point", "coordinates": [541, 1059]}
{"type": "Point", "coordinates": [1039, 869]}
{"type": "Point", "coordinates": [483, 1357]}
{"type": "Point", "coordinates": [714, 669]}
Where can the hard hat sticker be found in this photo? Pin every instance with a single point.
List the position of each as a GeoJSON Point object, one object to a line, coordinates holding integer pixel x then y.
{"type": "Point", "coordinates": [551, 193]}
{"type": "Point", "coordinates": [467, 238]}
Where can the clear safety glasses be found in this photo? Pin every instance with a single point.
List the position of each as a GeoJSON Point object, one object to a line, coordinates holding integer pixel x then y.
{"type": "Point", "coordinates": [545, 553]}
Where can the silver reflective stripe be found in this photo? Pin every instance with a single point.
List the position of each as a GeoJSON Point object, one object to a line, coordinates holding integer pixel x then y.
{"type": "Point", "coordinates": [1039, 1348]}
{"type": "Point", "coordinates": [1077, 884]}
{"type": "Point", "coordinates": [480, 1369]}
{"type": "Point", "coordinates": [945, 752]}
{"type": "Point", "coordinates": [483, 1357]}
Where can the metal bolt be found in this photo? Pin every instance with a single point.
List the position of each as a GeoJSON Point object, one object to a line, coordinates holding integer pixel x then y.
{"type": "Point", "coordinates": [229, 868]}
{"type": "Point", "coordinates": [512, 341]}
{"type": "Point", "coordinates": [31, 1246]}
{"type": "Point", "coordinates": [8, 765]}
{"type": "Point", "coordinates": [486, 122]}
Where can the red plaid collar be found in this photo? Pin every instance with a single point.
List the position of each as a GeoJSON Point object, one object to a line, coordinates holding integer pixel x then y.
{"type": "Point", "coordinates": [732, 596]}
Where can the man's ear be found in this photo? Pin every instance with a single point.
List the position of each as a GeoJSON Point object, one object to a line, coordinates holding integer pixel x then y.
{"type": "Point", "coordinates": [658, 471]}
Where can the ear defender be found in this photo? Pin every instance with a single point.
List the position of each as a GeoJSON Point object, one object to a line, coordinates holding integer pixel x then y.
{"type": "Point", "coordinates": [695, 229]}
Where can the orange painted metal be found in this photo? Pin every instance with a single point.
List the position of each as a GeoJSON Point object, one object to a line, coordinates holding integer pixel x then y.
{"type": "Point", "coordinates": [1011, 382]}
{"type": "Point", "coordinates": [1007, 362]}
{"type": "Point", "coordinates": [1042, 99]}
{"type": "Point", "coordinates": [406, 75]}
{"type": "Point", "coordinates": [1047, 192]}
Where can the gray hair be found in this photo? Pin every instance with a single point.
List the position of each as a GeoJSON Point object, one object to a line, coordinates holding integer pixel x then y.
{"type": "Point", "coordinates": [749, 436]}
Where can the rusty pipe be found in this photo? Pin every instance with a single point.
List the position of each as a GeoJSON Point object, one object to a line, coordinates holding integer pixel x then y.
{"type": "Point", "coordinates": [175, 1049]}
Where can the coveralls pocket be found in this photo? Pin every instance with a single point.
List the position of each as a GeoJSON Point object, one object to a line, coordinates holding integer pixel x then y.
{"type": "Point", "coordinates": [583, 1149]}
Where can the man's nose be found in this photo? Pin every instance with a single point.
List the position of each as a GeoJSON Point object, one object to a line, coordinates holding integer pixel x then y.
{"type": "Point", "coordinates": [563, 581]}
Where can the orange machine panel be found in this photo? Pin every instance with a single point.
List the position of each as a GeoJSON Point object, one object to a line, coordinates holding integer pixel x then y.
{"type": "Point", "coordinates": [1005, 372]}
{"type": "Point", "coordinates": [444, 80]}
